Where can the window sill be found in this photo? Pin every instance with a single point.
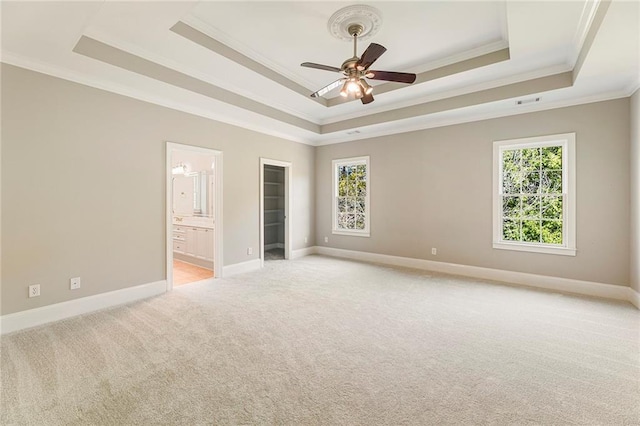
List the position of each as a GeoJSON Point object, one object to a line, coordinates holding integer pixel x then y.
{"type": "Point", "coordinates": [563, 251]}
{"type": "Point", "coordinates": [351, 233]}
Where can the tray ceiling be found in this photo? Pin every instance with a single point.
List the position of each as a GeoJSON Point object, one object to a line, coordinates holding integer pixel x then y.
{"type": "Point", "coordinates": [239, 62]}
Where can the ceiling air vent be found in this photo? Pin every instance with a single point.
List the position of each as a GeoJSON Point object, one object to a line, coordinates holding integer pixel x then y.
{"type": "Point", "coordinates": [527, 101]}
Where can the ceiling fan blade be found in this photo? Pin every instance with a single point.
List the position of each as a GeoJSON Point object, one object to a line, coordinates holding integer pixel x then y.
{"type": "Point", "coordinates": [373, 52]}
{"type": "Point", "coordinates": [320, 66]}
{"type": "Point", "coordinates": [399, 77]}
{"type": "Point", "coordinates": [327, 88]}
{"type": "Point", "coordinates": [366, 99]}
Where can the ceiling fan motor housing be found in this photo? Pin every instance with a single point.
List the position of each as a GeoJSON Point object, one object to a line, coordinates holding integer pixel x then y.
{"type": "Point", "coordinates": [353, 23]}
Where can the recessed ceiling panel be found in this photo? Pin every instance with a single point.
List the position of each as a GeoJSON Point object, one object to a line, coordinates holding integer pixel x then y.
{"type": "Point", "coordinates": [282, 35]}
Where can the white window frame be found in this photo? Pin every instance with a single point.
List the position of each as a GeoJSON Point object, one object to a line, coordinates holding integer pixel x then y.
{"type": "Point", "coordinates": [568, 143]}
{"type": "Point", "coordinates": [367, 208]}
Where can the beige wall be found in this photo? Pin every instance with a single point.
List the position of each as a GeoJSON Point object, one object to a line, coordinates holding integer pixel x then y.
{"type": "Point", "coordinates": [432, 188]}
{"type": "Point", "coordinates": [635, 190]}
{"type": "Point", "coordinates": [83, 187]}
{"type": "Point", "coordinates": [73, 156]}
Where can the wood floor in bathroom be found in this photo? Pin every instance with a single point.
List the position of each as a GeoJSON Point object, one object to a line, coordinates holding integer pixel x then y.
{"type": "Point", "coordinates": [185, 273]}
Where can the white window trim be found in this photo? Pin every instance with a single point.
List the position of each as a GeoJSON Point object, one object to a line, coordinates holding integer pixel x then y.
{"type": "Point", "coordinates": [568, 142]}
{"type": "Point", "coordinates": [334, 212]}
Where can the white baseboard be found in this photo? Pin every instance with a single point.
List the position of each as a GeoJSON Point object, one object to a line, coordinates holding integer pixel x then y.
{"type": "Point", "coordinates": [634, 297]}
{"type": "Point", "coordinates": [566, 285]}
{"type": "Point", "coordinates": [71, 308]}
{"type": "Point", "coordinates": [295, 254]}
{"type": "Point", "coordinates": [242, 267]}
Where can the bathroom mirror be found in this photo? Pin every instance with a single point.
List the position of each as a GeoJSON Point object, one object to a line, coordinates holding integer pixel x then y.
{"type": "Point", "coordinates": [191, 194]}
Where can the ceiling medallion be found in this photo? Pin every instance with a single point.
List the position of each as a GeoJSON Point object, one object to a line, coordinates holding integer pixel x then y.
{"type": "Point", "coordinates": [368, 17]}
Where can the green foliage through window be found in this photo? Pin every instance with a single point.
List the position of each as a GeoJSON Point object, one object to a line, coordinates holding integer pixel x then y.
{"type": "Point", "coordinates": [532, 195]}
{"type": "Point", "coordinates": [351, 196]}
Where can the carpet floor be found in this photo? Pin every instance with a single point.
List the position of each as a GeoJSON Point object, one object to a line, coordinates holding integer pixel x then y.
{"type": "Point", "coordinates": [320, 340]}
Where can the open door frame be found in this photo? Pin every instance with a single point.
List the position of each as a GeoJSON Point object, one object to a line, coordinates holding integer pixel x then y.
{"type": "Point", "coordinates": [217, 208]}
{"type": "Point", "coordinates": [288, 186]}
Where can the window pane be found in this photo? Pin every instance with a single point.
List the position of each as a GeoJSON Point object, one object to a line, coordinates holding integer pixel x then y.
{"type": "Point", "coordinates": [350, 221]}
{"type": "Point", "coordinates": [342, 205]}
{"type": "Point", "coordinates": [351, 187]}
{"type": "Point", "coordinates": [511, 160]}
{"type": "Point", "coordinates": [342, 181]}
{"type": "Point", "coordinates": [552, 207]}
{"type": "Point", "coordinates": [532, 195]}
{"type": "Point", "coordinates": [531, 183]}
{"type": "Point", "coordinates": [531, 207]}
{"type": "Point", "coordinates": [350, 205]}
{"type": "Point", "coordinates": [342, 221]}
{"type": "Point", "coordinates": [349, 171]}
{"type": "Point", "coordinates": [511, 230]}
{"type": "Point", "coordinates": [511, 207]}
{"type": "Point", "coordinates": [552, 158]}
{"type": "Point", "coordinates": [511, 183]}
{"type": "Point", "coordinates": [551, 232]}
{"type": "Point", "coordinates": [531, 231]}
{"type": "Point", "coordinates": [530, 159]}
{"type": "Point", "coordinates": [551, 182]}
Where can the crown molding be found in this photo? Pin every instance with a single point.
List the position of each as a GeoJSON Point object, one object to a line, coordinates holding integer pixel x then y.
{"type": "Point", "coordinates": [222, 37]}
{"type": "Point", "coordinates": [472, 117]}
{"type": "Point", "coordinates": [108, 86]}
{"type": "Point", "coordinates": [598, 15]}
{"type": "Point", "coordinates": [398, 127]}
{"type": "Point", "coordinates": [633, 88]}
{"type": "Point", "coordinates": [586, 18]}
{"type": "Point", "coordinates": [180, 67]}
{"type": "Point", "coordinates": [461, 56]}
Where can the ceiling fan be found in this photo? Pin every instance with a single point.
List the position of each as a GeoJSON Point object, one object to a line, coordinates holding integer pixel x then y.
{"type": "Point", "coordinates": [356, 69]}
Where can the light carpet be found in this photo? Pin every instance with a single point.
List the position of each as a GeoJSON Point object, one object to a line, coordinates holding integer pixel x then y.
{"type": "Point", "coordinates": [320, 340]}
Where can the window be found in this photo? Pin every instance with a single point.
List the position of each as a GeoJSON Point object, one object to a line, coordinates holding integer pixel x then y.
{"type": "Point", "coordinates": [351, 196]}
{"type": "Point", "coordinates": [534, 194]}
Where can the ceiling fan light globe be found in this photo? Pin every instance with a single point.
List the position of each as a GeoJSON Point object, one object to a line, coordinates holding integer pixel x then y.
{"type": "Point", "coordinates": [353, 87]}
{"type": "Point", "coordinates": [344, 92]}
{"type": "Point", "coordinates": [366, 87]}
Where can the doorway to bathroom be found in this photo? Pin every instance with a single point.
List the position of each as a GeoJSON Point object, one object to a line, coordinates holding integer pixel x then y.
{"type": "Point", "coordinates": [275, 214]}
{"type": "Point", "coordinates": [194, 214]}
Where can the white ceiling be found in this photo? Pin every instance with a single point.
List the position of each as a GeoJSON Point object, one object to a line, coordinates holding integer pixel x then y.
{"type": "Point", "coordinates": [591, 49]}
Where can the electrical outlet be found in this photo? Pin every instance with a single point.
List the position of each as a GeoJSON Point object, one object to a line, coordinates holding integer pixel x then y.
{"type": "Point", "coordinates": [434, 251]}
{"type": "Point", "coordinates": [249, 251]}
{"type": "Point", "coordinates": [34, 290]}
{"type": "Point", "coordinates": [74, 283]}
{"type": "Point", "coordinates": [306, 240]}
{"type": "Point", "coordinates": [326, 239]}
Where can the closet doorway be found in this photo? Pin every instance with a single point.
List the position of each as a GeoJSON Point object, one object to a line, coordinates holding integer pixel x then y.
{"type": "Point", "coordinates": [194, 214]}
{"type": "Point", "coordinates": [275, 212]}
